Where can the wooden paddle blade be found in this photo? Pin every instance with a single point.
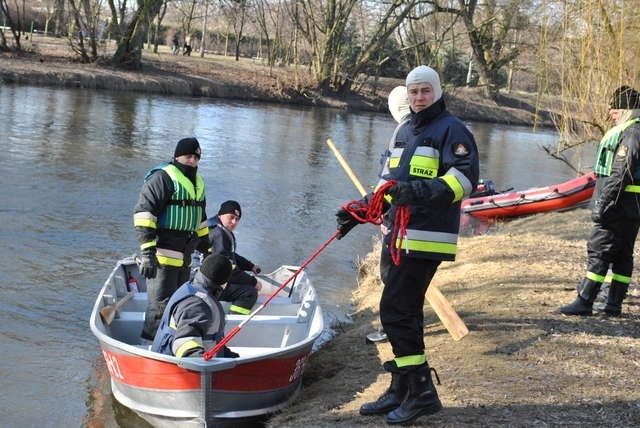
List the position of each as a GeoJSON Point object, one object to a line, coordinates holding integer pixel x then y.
{"type": "Point", "coordinates": [448, 316]}
{"type": "Point", "coordinates": [108, 313]}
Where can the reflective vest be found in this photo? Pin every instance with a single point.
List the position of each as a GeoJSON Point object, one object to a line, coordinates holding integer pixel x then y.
{"type": "Point", "coordinates": [608, 147]}
{"type": "Point", "coordinates": [184, 209]}
{"type": "Point", "coordinates": [434, 152]}
{"type": "Point", "coordinates": [165, 342]}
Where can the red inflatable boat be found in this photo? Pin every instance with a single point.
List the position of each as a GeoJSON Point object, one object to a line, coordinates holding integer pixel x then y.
{"type": "Point", "coordinates": [531, 201]}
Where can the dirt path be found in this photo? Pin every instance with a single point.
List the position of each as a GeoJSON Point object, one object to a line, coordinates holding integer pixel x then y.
{"type": "Point", "coordinates": [523, 364]}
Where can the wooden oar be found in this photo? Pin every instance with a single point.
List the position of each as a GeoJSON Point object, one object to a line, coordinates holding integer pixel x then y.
{"type": "Point", "coordinates": [107, 313]}
{"type": "Point", "coordinates": [441, 306]}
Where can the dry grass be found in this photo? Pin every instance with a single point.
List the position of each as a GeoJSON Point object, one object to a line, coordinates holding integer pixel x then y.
{"type": "Point", "coordinates": [523, 364]}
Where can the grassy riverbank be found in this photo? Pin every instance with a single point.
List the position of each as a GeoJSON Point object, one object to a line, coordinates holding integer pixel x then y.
{"type": "Point", "coordinates": [523, 364]}
{"type": "Point", "coordinates": [49, 61]}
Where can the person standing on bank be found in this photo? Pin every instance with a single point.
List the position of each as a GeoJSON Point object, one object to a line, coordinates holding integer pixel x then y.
{"type": "Point", "coordinates": [615, 208]}
{"type": "Point", "coordinates": [171, 221]}
{"type": "Point", "coordinates": [434, 160]}
{"type": "Point", "coordinates": [193, 320]}
{"type": "Point", "coordinates": [242, 290]}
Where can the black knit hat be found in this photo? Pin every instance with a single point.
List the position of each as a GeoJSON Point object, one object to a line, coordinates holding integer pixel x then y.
{"type": "Point", "coordinates": [217, 268]}
{"type": "Point", "coordinates": [187, 146]}
{"type": "Point", "coordinates": [230, 207]}
{"type": "Point", "coordinates": [625, 98]}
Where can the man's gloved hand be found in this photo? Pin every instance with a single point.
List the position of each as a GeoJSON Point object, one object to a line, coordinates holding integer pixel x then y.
{"type": "Point", "coordinates": [256, 269]}
{"type": "Point", "coordinates": [346, 222]}
{"type": "Point", "coordinates": [401, 193]}
{"type": "Point", "coordinates": [148, 264]}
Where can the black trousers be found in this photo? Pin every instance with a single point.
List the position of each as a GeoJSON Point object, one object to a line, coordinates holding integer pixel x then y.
{"type": "Point", "coordinates": [240, 291]}
{"type": "Point", "coordinates": [611, 244]}
{"type": "Point", "coordinates": [159, 290]}
{"type": "Point", "coordinates": [402, 301]}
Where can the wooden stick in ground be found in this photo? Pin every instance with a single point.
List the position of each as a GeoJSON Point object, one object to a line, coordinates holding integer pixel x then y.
{"type": "Point", "coordinates": [441, 306]}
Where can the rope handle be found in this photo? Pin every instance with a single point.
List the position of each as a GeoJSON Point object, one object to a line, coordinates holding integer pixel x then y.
{"type": "Point", "coordinates": [372, 213]}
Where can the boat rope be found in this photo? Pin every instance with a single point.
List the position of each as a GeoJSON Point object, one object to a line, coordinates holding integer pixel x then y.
{"type": "Point", "coordinates": [213, 351]}
{"type": "Point", "coordinates": [371, 212]}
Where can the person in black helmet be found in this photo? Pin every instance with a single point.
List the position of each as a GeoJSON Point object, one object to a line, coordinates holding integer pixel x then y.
{"type": "Point", "coordinates": [171, 222]}
{"type": "Point", "coordinates": [242, 290]}
{"type": "Point", "coordinates": [615, 209]}
{"type": "Point", "coordinates": [193, 321]}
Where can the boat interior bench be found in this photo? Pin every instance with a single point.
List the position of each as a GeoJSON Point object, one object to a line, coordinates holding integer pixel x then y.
{"type": "Point", "coordinates": [277, 325]}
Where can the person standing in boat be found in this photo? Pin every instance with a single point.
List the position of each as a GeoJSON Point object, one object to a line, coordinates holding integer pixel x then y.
{"type": "Point", "coordinates": [615, 209]}
{"type": "Point", "coordinates": [193, 320]}
{"type": "Point", "coordinates": [242, 290]}
{"type": "Point", "coordinates": [434, 161]}
{"type": "Point", "coordinates": [171, 222]}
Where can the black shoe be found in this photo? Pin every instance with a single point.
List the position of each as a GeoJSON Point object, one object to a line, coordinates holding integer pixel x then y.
{"type": "Point", "coordinates": [393, 396]}
{"type": "Point", "coordinates": [422, 399]}
{"type": "Point", "coordinates": [578, 307]}
{"type": "Point", "coordinates": [228, 353]}
{"type": "Point", "coordinates": [610, 310]}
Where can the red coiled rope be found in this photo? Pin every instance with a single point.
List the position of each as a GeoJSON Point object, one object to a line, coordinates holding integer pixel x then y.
{"type": "Point", "coordinates": [372, 213]}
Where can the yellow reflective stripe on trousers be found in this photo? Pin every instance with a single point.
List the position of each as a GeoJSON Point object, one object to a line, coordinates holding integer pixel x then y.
{"type": "Point", "coordinates": [632, 188]}
{"type": "Point", "coordinates": [621, 278]}
{"type": "Point", "coordinates": [429, 242]}
{"type": "Point", "coordinates": [170, 257]}
{"type": "Point", "coordinates": [595, 277]}
{"type": "Point", "coordinates": [410, 360]}
{"type": "Point", "coordinates": [239, 309]}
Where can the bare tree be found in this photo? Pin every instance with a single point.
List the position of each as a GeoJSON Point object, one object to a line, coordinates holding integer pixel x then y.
{"type": "Point", "coordinates": [129, 51]}
{"type": "Point", "coordinates": [235, 12]}
{"type": "Point", "coordinates": [13, 20]}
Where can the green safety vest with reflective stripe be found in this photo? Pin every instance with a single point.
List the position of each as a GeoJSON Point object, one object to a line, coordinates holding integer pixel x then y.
{"type": "Point", "coordinates": [185, 208]}
{"type": "Point", "coordinates": [607, 148]}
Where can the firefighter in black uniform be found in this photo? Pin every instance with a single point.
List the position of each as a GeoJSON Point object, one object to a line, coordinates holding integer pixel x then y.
{"type": "Point", "coordinates": [193, 321]}
{"type": "Point", "coordinates": [615, 209]}
{"type": "Point", "coordinates": [171, 222]}
{"type": "Point", "coordinates": [434, 160]}
{"type": "Point", "coordinates": [242, 290]}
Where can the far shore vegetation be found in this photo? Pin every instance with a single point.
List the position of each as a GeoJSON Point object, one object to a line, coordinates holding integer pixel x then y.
{"type": "Point", "coordinates": [575, 52]}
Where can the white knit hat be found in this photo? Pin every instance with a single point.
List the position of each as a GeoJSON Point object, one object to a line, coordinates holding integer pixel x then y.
{"type": "Point", "coordinates": [399, 103]}
{"type": "Point", "coordinates": [424, 74]}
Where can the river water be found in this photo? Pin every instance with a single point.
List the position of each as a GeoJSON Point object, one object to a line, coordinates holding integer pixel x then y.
{"type": "Point", "coordinates": [72, 166]}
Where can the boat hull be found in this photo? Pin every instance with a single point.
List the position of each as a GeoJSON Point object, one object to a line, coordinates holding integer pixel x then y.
{"type": "Point", "coordinates": [562, 196]}
{"type": "Point", "coordinates": [170, 391]}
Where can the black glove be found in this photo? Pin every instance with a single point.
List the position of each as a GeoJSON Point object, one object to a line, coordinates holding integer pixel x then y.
{"type": "Point", "coordinates": [346, 222]}
{"type": "Point", "coordinates": [401, 193]}
{"type": "Point", "coordinates": [148, 263]}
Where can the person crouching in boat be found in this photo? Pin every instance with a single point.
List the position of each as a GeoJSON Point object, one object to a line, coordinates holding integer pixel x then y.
{"type": "Point", "coordinates": [615, 210]}
{"type": "Point", "coordinates": [193, 320]}
{"type": "Point", "coordinates": [242, 289]}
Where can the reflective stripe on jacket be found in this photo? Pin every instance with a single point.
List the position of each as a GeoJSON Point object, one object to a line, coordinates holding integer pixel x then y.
{"type": "Point", "coordinates": [172, 321]}
{"type": "Point", "coordinates": [439, 154]}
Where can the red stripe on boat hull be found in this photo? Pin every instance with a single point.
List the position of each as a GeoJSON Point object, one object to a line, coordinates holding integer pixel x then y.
{"type": "Point", "coordinates": [261, 375]}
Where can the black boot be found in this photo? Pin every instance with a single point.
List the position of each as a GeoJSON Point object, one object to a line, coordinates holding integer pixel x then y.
{"type": "Point", "coordinates": [393, 396]}
{"type": "Point", "coordinates": [587, 292]}
{"type": "Point", "coordinates": [422, 399]}
{"type": "Point", "coordinates": [617, 293]}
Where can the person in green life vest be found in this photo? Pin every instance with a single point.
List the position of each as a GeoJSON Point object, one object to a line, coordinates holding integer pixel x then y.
{"type": "Point", "coordinates": [616, 209]}
{"type": "Point", "coordinates": [171, 223]}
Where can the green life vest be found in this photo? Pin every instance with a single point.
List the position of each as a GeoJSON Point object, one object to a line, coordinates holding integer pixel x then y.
{"type": "Point", "coordinates": [607, 148]}
{"type": "Point", "coordinates": [184, 209]}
